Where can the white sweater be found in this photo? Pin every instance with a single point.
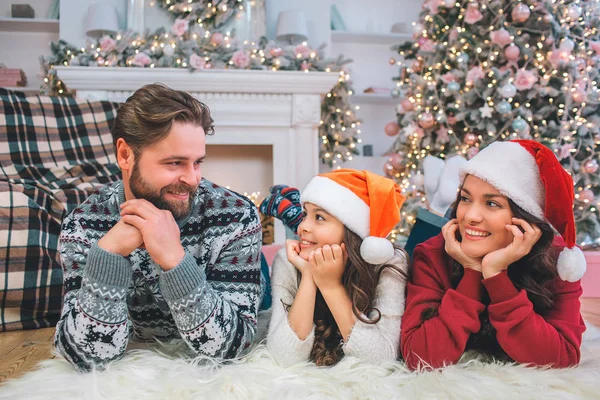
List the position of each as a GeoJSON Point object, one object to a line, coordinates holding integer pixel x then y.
{"type": "Point", "coordinates": [373, 343]}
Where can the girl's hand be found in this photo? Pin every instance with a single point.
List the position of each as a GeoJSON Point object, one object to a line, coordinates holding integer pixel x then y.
{"type": "Point", "coordinates": [327, 265]}
{"type": "Point", "coordinates": [292, 249]}
{"type": "Point", "coordinates": [453, 247]}
{"type": "Point", "coordinates": [499, 260]}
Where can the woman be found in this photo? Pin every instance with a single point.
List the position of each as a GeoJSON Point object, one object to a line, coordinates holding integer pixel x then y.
{"type": "Point", "coordinates": [497, 279]}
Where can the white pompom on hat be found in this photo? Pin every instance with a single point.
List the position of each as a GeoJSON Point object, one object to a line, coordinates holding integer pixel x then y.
{"type": "Point", "coordinates": [366, 203]}
{"type": "Point", "coordinates": [530, 175]}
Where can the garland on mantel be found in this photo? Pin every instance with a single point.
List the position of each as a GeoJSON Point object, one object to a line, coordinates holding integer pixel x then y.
{"type": "Point", "coordinates": [200, 49]}
{"type": "Point", "coordinates": [208, 14]}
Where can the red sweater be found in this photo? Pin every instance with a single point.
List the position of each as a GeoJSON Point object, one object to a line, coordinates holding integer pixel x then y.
{"type": "Point", "coordinates": [525, 336]}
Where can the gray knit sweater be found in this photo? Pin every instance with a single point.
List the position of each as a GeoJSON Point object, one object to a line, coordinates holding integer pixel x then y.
{"type": "Point", "coordinates": [210, 299]}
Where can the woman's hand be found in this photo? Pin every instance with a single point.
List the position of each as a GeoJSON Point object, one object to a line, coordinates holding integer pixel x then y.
{"type": "Point", "coordinates": [292, 249]}
{"type": "Point", "coordinates": [453, 247]}
{"type": "Point", "coordinates": [523, 241]}
{"type": "Point", "coordinates": [327, 266]}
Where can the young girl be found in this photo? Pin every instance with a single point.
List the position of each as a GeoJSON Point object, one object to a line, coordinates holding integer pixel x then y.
{"type": "Point", "coordinates": [339, 290]}
{"type": "Point", "coordinates": [497, 279]}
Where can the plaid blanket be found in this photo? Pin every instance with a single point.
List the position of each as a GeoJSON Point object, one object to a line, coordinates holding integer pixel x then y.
{"type": "Point", "coordinates": [54, 152]}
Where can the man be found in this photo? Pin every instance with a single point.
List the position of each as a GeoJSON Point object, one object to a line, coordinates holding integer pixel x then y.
{"type": "Point", "coordinates": [162, 253]}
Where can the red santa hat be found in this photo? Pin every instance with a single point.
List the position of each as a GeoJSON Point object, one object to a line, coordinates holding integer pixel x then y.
{"type": "Point", "coordinates": [366, 203]}
{"type": "Point", "coordinates": [530, 175]}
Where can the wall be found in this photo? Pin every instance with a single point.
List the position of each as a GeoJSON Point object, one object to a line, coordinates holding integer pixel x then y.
{"type": "Point", "coordinates": [371, 68]}
{"type": "Point", "coordinates": [73, 14]}
{"type": "Point", "coordinates": [22, 49]}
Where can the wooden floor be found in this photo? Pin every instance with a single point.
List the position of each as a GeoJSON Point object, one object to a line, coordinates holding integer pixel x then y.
{"type": "Point", "coordinates": [20, 351]}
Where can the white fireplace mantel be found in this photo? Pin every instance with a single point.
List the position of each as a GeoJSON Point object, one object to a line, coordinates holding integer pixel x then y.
{"type": "Point", "coordinates": [277, 108]}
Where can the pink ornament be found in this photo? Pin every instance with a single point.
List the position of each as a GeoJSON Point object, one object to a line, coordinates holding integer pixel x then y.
{"type": "Point", "coordinates": [417, 65]}
{"type": "Point", "coordinates": [391, 129]}
{"type": "Point", "coordinates": [525, 79]}
{"type": "Point", "coordinates": [590, 166]}
{"type": "Point", "coordinates": [579, 96]}
{"type": "Point", "coordinates": [406, 104]}
{"type": "Point", "coordinates": [471, 139]}
{"type": "Point", "coordinates": [303, 50]}
{"type": "Point", "coordinates": [448, 77]}
{"type": "Point", "coordinates": [180, 27]}
{"type": "Point", "coordinates": [397, 161]}
{"type": "Point", "coordinates": [100, 61]}
{"type": "Point", "coordinates": [474, 74]}
{"type": "Point", "coordinates": [217, 38]}
{"type": "Point", "coordinates": [141, 59]}
{"type": "Point", "coordinates": [564, 151]}
{"type": "Point", "coordinates": [473, 15]}
{"type": "Point", "coordinates": [472, 152]}
{"type": "Point", "coordinates": [586, 196]}
{"type": "Point", "coordinates": [453, 35]}
{"type": "Point", "coordinates": [240, 59]}
{"type": "Point", "coordinates": [389, 170]}
{"type": "Point", "coordinates": [442, 135]}
{"type": "Point", "coordinates": [501, 37]}
{"type": "Point", "coordinates": [520, 13]}
{"type": "Point", "coordinates": [276, 52]}
{"type": "Point", "coordinates": [197, 62]}
{"type": "Point", "coordinates": [107, 44]}
{"type": "Point", "coordinates": [512, 52]}
{"type": "Point", "coordinates": [426, 121]}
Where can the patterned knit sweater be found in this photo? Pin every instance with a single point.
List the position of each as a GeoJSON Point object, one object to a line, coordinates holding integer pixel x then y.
{"type": "Point", "coordinates": [372, 343]}
{"type": "Point", "coordinates": [210, 299]}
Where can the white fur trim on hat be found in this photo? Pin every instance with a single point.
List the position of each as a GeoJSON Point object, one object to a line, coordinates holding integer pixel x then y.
{"type": "Point", "coordinates": [512, 170]}
{"type": "Point", "coordinates": [571, 264]}
{"type": "Point", "coordinates": [340, 202]}
{"type": "Point", "coordinates": [376, 250]}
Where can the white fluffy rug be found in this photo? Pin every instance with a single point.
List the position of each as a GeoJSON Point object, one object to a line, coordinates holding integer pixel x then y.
{"type": "Point", "coordinates": [148, 374]}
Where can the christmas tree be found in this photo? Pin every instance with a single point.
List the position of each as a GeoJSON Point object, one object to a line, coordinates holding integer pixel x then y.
{"type": "Point", "coordinates": [481, 71]}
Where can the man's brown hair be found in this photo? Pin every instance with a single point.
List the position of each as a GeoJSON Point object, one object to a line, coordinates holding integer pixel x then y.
{"type": "Point", "coordinates": [148, 115]}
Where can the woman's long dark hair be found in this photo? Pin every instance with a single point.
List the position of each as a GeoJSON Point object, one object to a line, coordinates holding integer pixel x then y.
{"type": "Point", "coordinates": [360, 280]}
{"type": "Point", "coordinates": [531, 273]}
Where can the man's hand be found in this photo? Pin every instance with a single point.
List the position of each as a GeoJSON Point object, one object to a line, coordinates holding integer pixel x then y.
{"type": "Point", "coordinates": [121, 239]}
{"type": "Point", "coordinates": [159, 230]}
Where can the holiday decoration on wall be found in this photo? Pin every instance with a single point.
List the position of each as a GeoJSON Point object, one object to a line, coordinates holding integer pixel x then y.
{"type": "Point", "coordinates": [196, 48]}
{"type": "Point", "coordinates": [207, 14]}
{"type": "Point", "coordinates": [481, 71]}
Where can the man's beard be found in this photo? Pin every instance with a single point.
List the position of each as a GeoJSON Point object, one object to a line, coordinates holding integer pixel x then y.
{"type": "Point", "coordinates": [141, 189]}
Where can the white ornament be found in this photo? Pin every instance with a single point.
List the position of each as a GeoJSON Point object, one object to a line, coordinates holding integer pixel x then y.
{"type": "Point", "coordinates": [417, 29]}
{"type": "Point", "coordinates": [567, 45]}
{"type": "Point", "coordinates": [168, 50]}
{"type": "Point", "coordinates": [486, 111]}
{"type": "Point", "coordinates": [574, 11]}
{"type": "Point", "coordinates": [508, 90]}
